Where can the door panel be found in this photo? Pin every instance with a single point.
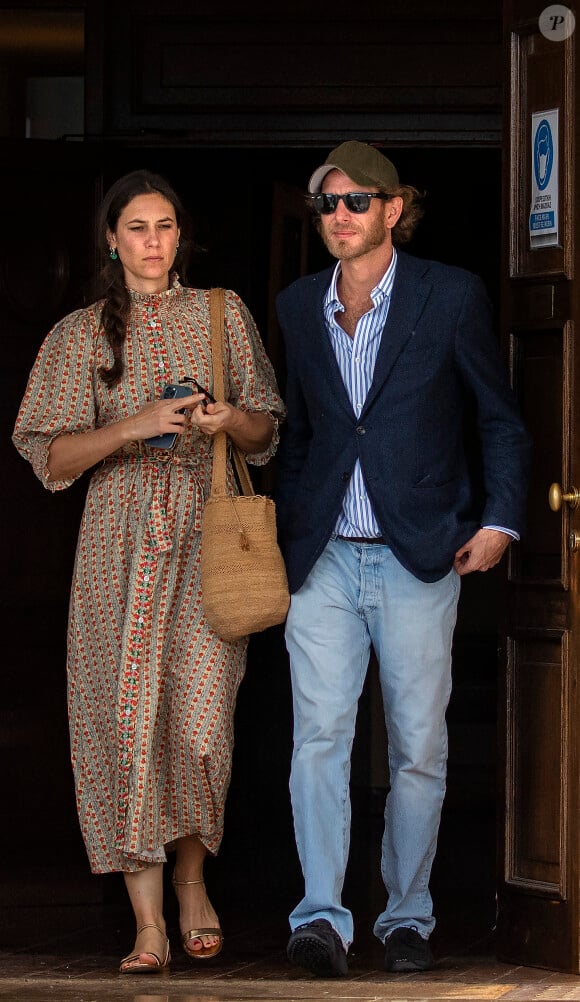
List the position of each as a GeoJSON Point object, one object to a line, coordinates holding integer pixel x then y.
{"type": "Point", "coordinates": [541, 78]}
{"type": "Point", "coordinates": [539, 718]}
{"type": "Point", "coordinates": [539, 371]}
{"type": "Point", "coordinates": [536, 777]}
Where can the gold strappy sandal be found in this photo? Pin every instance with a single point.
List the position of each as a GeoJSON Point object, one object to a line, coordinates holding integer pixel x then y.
{"type": "Point", "coordinates": [160, 965]}
{"type": "Point", "coordinates": [206, 952]}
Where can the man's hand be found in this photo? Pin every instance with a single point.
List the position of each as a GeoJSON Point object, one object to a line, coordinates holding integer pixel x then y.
{"type": "Point", "coordinates": [482, 551]}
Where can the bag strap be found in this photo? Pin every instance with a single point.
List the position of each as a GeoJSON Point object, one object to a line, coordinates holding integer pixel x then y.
{"type": "Point", "coordinates": [217, 329]}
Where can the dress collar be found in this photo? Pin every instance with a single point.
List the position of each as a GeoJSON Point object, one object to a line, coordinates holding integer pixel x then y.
{"type": "Point", "coordinates": [156, 298]}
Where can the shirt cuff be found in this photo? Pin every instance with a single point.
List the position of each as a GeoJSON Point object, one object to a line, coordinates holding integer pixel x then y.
{"type": "Point", "coordinates": [501, 528]}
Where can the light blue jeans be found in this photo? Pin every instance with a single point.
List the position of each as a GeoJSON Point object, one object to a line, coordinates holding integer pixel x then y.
{"type": "Point", "coordinates": [358, 595]}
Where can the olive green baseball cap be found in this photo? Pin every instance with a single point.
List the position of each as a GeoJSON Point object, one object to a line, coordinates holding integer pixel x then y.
{"type": "Point", "coordinates": [363, 163]}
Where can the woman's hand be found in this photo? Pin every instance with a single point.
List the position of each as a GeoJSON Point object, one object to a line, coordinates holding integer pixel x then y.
{"type": "Point", "coordinates": [71, 455]}
{"type": "Point", "coordinates": [213, 417]}
{"type": "Point", "coordinates": [251, 430]}
{"type": "Point", "coordinates": [161, 417]}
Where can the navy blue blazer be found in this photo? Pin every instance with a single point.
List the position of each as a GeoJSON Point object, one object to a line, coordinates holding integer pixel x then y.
{"type": "Point", "coordinates": [430, 488]}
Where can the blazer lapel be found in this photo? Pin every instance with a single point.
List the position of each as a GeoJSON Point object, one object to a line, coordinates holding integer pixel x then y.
{"type": "Point", "coordinates": [320, 352]}
{"type": "Point", "coordinates": [410, 293]}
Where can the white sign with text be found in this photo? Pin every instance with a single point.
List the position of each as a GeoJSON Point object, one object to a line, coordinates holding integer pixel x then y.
{"type": "Point", "coordinates": [544, 207]}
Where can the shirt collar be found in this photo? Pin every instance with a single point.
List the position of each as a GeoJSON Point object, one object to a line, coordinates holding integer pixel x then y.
{"type": "Point", "coordinates": [383, 288]}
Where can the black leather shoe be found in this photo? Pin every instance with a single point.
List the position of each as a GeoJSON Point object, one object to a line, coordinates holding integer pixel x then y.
{"type": "Point", "coordinates": [406, 950]}
{"type": "Point", "coordinates": [317, 947]}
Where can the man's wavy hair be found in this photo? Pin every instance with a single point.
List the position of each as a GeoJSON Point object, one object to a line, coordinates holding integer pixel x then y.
{"type": "Point", "coordinates": [413, 211]}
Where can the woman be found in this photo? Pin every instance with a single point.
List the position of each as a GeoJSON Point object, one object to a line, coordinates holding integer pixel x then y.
{"type": "Point", "coordinates": [151, 688]}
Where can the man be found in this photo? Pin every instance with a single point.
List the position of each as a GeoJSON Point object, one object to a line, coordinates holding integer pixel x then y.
{"type": "Point", "coordinates": [379, 519]}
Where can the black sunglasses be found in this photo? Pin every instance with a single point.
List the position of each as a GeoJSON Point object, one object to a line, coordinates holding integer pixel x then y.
{"type": "Point", "coordinates": [200, 388]}
{"type": "Point", "coordinates": [355, 201]}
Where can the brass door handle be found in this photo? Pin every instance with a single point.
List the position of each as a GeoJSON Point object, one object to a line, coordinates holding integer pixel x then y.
{"type": "Point", "coordinates": [556, 496]}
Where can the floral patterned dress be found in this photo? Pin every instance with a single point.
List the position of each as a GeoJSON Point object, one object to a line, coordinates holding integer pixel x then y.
{"type": "Point", "coordinates": [151, 688]}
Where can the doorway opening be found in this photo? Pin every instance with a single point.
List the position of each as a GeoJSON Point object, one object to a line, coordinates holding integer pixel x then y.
{"type": "Point", "coordinates": [229, 193]}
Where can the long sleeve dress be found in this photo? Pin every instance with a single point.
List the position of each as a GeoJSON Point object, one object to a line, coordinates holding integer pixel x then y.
{"type": "Point", "coordinates": [151, 687]}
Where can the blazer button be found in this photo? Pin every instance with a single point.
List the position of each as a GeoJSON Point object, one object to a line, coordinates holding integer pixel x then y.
{"type": "Point", "coordinates": [360, 430]}
{"type": "Point", "coordinates": [346, 476]}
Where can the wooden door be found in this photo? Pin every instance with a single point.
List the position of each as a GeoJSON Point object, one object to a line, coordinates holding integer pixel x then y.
{"type": "Point", "coordinates": [538, 894]}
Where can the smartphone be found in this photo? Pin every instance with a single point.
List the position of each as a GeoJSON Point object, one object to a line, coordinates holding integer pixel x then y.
{"type": "Point", "coordinates": [172, 391]}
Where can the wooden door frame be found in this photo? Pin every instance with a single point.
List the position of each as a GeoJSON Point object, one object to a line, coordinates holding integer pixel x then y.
{"type": "Point", "coordinates": [538, 894]}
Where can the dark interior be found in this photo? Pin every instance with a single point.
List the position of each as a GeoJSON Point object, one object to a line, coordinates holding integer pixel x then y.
{"type": "Point", "coordinates": [229, 194]}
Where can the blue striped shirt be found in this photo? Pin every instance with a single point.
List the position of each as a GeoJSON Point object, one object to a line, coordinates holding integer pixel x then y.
{"type": "Point", "coordinates": [356, 359]}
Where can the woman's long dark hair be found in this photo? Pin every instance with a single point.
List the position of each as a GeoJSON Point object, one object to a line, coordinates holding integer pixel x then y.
{"type": "Point", "coordinates": [111, 280]}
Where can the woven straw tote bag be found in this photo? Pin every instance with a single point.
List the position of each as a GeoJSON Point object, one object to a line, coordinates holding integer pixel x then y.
{"type": "Point", "coordinates": [244, 588]}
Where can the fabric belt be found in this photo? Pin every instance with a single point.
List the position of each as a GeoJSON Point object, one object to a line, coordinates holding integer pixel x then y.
{"type": "Point", "coordinates": [363, 539]}
{"type": "Point", "coordinates": [165, 489]}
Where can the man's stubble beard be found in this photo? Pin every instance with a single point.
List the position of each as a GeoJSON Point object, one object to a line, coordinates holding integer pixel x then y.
{"type": "Point", "coordinates": [345, 251]}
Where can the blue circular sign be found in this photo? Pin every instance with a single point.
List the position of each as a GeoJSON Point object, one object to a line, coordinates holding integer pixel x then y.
{"type": "Point", "coordinates": [543, 154]}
